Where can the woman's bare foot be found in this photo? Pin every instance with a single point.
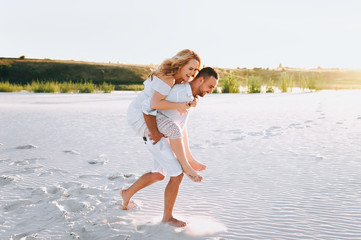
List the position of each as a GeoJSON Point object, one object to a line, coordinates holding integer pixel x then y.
{"type": "Point", "coordinates": [174, 222]}
{"type": "Point", "coordinates": [127, 204]}
{"type": "Point", "coordinates": [197, 165]}
{"type": "Point", "coordinates": [193, 175]}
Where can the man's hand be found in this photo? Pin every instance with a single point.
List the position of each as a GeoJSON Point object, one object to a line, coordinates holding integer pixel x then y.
{"type": "Point", "coordinates": [194, 102]}
{"type": "Point", "coordinates": [156, 136]}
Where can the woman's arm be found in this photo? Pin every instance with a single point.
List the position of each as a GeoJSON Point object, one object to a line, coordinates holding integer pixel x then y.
{"type": "Point", "coordinates": [158, 102]}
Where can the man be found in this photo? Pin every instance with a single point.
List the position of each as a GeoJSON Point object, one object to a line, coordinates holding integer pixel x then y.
{"type": "Point", "coordinates": [163, 157]}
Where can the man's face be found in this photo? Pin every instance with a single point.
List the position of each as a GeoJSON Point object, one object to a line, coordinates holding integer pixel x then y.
{"type": "Point", "coordinates": [207, 86]}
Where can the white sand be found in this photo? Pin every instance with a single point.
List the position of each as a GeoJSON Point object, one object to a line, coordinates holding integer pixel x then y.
{"type": "Point", "coordinates": [280, 166]}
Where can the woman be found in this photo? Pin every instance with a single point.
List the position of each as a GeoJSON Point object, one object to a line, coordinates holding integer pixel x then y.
{"type": "Point", "coordinates": [178, 69]}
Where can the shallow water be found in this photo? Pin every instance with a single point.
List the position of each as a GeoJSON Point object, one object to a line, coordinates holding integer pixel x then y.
{"type": "Point", "coordinates": [280, 166]}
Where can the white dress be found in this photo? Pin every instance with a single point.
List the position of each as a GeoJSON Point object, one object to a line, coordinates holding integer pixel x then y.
{"type": "Point", "coordinates": [141, 104]}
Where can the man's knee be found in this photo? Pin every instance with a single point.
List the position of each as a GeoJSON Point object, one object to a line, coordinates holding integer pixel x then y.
{"type": "Point", "coordinates": [158, 176]}
{"type": "Point", "coordinates": [177, 178]}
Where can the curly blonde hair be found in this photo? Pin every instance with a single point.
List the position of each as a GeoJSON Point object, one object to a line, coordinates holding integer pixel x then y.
{"type": "Point", "coordinates": [171, 66]}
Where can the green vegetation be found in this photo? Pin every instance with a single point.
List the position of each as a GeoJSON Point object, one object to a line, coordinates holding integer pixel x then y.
{"type": "Point", "coordinates": [7, 87]}
{"type": "Point", "coordinates": [55, 87]}
{"type": "Point", "coordinates": [254, 84]}
{"type": "Point", "coordinates": [286, 82]}
{"type": "Point", "coordinates": [285, 79]}
{"type": "Point", "coordinates": [270, 87]}
{"type": "Point", "coordinates": [132, 87]}
{"type": "Point", "coordinates": [23, 71]}
{"type": "Point", "coordinates": [230, 84]}
{"type": "Point", "coordinates": [47, 75]}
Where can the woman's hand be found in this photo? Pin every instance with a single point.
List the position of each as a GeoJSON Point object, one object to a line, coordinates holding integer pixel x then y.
{"type": "Point", "coordinates": [183, 107]}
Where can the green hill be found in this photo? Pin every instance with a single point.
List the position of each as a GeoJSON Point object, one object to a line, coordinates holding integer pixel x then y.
{"type": "Point", "coordinates": [23, 71]}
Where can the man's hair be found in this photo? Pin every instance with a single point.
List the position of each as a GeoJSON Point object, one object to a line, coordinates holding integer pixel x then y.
{"type": "Point", "coordinates": [206, 73]}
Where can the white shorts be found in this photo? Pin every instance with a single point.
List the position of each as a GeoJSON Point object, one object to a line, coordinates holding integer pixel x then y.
{"type": "Point", "coordinates": [164, 160]}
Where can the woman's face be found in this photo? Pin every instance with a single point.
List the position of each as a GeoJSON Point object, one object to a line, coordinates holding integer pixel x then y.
{"type": "Point", "coordinates": [188, 71]}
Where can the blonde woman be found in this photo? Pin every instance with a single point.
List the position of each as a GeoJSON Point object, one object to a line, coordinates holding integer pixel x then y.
{"type": "Point", "coordinates": [142, 112]}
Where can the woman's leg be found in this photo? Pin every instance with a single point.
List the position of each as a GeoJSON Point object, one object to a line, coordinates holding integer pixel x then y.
{"type": "Point", "coordinates": [177, 147]}
{"type": "Point", "coordinates": [172, 130]}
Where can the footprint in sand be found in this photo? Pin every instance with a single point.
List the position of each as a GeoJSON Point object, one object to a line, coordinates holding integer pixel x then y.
{"type": "Point", "coordinates": [217, 144]}
{"type": "Point", "coordinates": [29, 146]}
{"type": "Point", "coordinates": [54, 190]}
{"type": "Point", "coordinates": [85, 190]}
{"type": "Point", "coordinates": [29, 170]}
{"type": "Point", "coordinates": [73, 205]}
{"type": "Point", "coordinates": [236, 131]}
{"type": "Point", "coordinates": [237, 139]}
{"type": "Point", "coordinates": [68, 185]}
{"type": "Point", "coordinates": [198, 146]}
{"type": "Point", "coordinates": [273, 131]}
{"type": "Point", "coordinates": [28, 235]}
{"type": "Point", "coordinates": [255, 134]}
{"type": "Point", "coordinates": [101, 160]}
{"type": "Point", "coordinates": [322, 116]}
{"type": "Point", "coordinates": [91, 191]}
{"type": "Point", "coordinates": [53, 171]}
{"type": "Point", "coordinates": [5, 160]}
{"type": "Point", "coordinates": [48, 193]}
{"type": "Point", "coordinates": [5, 180]}
{"type": "Point", "coordinates": [72, 152]}
{"type": "Point", "coordinates": [120, 176]}
{"type": "Point", "coordinates": [25, 162]}
{"type": "Point", "coordinates": [295, 125]}
{"type": "Point", "coordinates": [16, 204]}
{"type": "Point", "coordinates": [90, 176]}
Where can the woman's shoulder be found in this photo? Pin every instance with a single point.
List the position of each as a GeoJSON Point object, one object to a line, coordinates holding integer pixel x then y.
{"type": "Point", "coordinates": [169, 80]}
{"type": "Point", "coordinates": [161, 85]}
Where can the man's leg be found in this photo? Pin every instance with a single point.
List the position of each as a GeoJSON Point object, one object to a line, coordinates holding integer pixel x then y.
{"type": "Point", "coordinates": [170, 196]}
{"type": "Point", "coordinates": [144, 181]}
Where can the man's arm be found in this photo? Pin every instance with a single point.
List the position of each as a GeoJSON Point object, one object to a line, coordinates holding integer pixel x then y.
{"type": "Point", "coordinates": [151, 123]}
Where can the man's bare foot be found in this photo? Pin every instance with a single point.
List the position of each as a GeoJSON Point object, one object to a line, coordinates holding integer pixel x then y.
{"type": "Point", "coordinates": [193, 175]}
{"type": "Point", "coordinates": [197, 165]}
{"type": "Point", "coordinates": [174, 222]}
{"type": "Point", "coordinates": [126, 205]}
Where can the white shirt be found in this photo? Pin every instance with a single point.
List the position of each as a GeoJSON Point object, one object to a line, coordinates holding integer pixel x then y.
{"type": "Point", "coordinates": [142, 104]}
{"type": "Point", "coordinates": [179, 93]}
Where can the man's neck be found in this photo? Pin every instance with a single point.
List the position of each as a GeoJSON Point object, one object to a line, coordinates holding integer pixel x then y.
{"type": "Point", "coordinates": [194, 88]}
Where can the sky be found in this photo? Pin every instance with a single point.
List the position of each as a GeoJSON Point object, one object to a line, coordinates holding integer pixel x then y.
{"type": "Point", "coordinates": [225, 33]}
